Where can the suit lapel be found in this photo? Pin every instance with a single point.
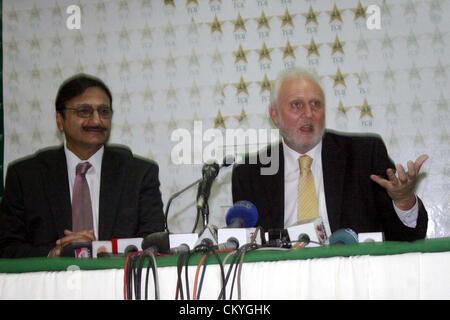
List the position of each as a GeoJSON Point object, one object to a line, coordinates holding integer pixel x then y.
{"type": "Point", "coordinates": [274, 190]}
{"type": "Point", "coordinates": [56, 186]}
{"type": "Point", "coordinates": [111, 182]}
{"type": "Point", "coordinates": [333, 166]}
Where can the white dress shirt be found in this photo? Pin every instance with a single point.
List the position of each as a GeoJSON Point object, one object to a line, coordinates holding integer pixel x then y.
{"type": "Point", "coordinates": [291, 177]}
{"type": "Point", "coordinates": [92, 177]}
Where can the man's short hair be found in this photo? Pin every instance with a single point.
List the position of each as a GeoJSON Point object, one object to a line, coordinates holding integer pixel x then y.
{"type": "Point", "coordinates": [75, 86]}
{"type": "Point", "coordinates": [292, 73]}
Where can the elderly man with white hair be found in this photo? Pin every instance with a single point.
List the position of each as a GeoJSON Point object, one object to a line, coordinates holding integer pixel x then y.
{"type": "Point", "coordinates": [346, 179]}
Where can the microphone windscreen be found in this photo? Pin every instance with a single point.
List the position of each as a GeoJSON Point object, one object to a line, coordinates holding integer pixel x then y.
{"type": "Point", "coordinates": [343, 236]}
{"type": "Point", "coordinates": [244, 210]}
{"type": "Point", "coordinates": [158, 240]}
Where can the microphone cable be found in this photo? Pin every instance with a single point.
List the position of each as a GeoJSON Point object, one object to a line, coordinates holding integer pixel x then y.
{"type": "Point", "coordinates": [134, 265]}
{"type": "Point", "coordinates": [152, 264]}
{"type": "Point", "coordinates": [180, 263]}
{"type": "Point", "coordinates": [196, 295]}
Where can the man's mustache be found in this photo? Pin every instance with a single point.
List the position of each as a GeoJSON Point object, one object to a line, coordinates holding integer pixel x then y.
{"type": "Point", "coordinates": [94, 128]}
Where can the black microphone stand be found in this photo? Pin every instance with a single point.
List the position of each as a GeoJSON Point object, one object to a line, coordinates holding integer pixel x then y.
{"type": "Point", "coordinates": [176, 194]}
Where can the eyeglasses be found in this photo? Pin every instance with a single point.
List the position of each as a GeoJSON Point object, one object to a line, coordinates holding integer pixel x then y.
{"type": "Point", "coordinates": [87, 111]}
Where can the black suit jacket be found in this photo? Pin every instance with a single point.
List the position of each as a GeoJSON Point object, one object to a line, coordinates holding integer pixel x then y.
{"type": "Point", "coordinates": [36, 206]}
{"type": "Point", "coordinates": [352, 199]}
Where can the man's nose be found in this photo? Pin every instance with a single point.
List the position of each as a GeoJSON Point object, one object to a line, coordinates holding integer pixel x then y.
{"type": "Point", "coordinates": [307, 111]}
{"type": "Point", "coordinates": [95, 117]}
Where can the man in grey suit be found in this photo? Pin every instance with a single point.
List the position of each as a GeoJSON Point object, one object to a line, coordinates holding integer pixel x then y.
{"type": "Point", "coordinates": [124, 198]}
{"type": "Point", "coordinates": [355, 183]}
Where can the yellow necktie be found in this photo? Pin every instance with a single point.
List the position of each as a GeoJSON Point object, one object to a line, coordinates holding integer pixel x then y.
{"type": "Point", "coordinates": [307, 208]}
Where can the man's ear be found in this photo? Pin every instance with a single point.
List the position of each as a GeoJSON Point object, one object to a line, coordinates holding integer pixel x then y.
{"type": "Point", "coordinates": [273, 114]}
{"type": "Point", "coordinates": [59, 121]}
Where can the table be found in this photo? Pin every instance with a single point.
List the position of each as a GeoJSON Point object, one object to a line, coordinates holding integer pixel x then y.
{"type": "Point", "coordinates": [390, 270]}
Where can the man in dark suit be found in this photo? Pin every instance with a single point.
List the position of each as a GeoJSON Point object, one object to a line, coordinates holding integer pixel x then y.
{"type": "Point", "coordinates": [354, 183]}
{"type": "Point", "coordinates": [123, 191]}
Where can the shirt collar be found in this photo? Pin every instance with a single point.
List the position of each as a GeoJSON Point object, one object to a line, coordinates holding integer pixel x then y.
{"type": "Point", "coordinates": [291, 156]}
{"type": "Point", "coordinates": [95, 160]}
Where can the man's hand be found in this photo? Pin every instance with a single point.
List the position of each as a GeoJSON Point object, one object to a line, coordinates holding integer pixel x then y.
{"type": "Point", "coordinates": [71, 237]}
{"type": "Point", "coordinates": [401, 188]}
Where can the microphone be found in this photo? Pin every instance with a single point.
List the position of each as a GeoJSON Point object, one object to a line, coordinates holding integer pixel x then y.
{"type": "Point", "coordinates": [159, 242]}
{"type": "Point", "coordinates": [304, 238]}
{"type": "Point", "coordinates": [209, 173]}
{"type": "Point", "coordinates": [343, 236]}
{"type": "Point", "coordinates": [241, 219]}
{"type": "Point", "coordinates": [243, 214]}
{"type": "Point", "coordinates": [314, 229]}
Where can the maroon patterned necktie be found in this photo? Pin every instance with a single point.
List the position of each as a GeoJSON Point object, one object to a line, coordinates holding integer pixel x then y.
{"type": "Point", "coordinates": [81, 200]}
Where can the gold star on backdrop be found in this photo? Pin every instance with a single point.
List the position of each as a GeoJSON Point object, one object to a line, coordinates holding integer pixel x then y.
{"type": "Point", "coordinates": [437, 37]}
{"type": "Point", "coordinates": [148, 94]}
{"type": "Point", "coordinates": [391, 108]}
{"type": "Point", "coordinates": [337, 46]}
{"type": "Point", "coordinates": [410, 8]}
{"type": "Point", "coordinates": [194, 90]}
{"type": "Point", "coordinates": [170, 61]}
{"type": "Point", "coordinates": [193, 27]}
{"type": "Point", "coordinates": [414, 72]}
{"type": "Point", "coordinates": [339, 78]}
{"type": "Point", "coordinates": [264, 53]}
{"type": "Point", "coordinates": [240, 55]}
{"type": "Point", "coordinates": [216, 25]}
{"type": "Point", "coordinates": [169, 3]}
{"type": "Point", "coordinates": [289, 50]}
{"type": "Point", "coordinates": [388, 74]}
{"type": "Point", "coordinates": [193, 59]}
{"type": "Point", "coordinates": [287, 19]}
{"type": "Point", "coordinates": [242, 87]}
{"type": "Point", "coordinates": [147, 63]}
{"type": "Point", "coordinates": [242, 116]}
{"type": "Point", "coordinates": [335, 14]}
{"type": "Point", "coordinates": [171, 92]}
{"type": "Point", "coordinates": [263, 21]}
{"type": "Point", "coordinates": [411, 40]}
{"type": "Point", "coordinates": [101, 37]}
{"type": "Point", "coordinates": [34, 43]}
{"type": "Point", "coordinates": [219, 121]}
{"type": "Point", "coordinates": [416, 105]}
{"type": "Point", "coordinates": [341, 110]}
{"type": "Point", "coordinates": [239, 23]}
{"type": "Point", "coordinates": [362, 44]}
{"type": "Point", "coordinates": [439, 71]}
{"type": "Point", "coordinates": [219, 89]}
{"type": "Point", "coordinates": [126, 129]}
{"type": "Point", "coordinates": [366, 110]}
{"type": "Point", "coordinates": [386, 42]}
{"type": "Point", "coordinates": [265, 84]}
{"type": "Point", "coordinates": [149, 127]}
{"type": "Point", "coordinates": [169, 31]}
{"type": "Point", "coordinates": [360, 12]}
{"type": "Point", "coordinates": [311, 16]}
{"type": "Point", "coordinates": [419, 140]}
{"type": "Point", "coordinates": [313, 48]}
{"type": "Point", "coordinates": [102, 68]}
{"type": "Point", "coordinates": [125, 97]}
{"type": "Point", "coordinates": [146, 33]}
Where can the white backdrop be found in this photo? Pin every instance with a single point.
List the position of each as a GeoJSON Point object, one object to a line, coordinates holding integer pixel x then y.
{"type": "Point", "coordinates": [170, 63]}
